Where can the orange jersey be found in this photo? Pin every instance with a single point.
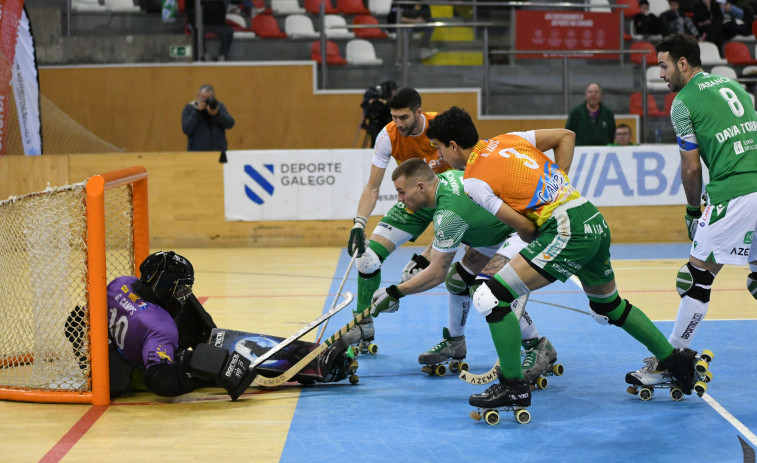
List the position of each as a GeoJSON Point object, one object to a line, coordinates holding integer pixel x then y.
{"type": "Point", "coordinates": [414, 146]}
{"type": "Point", "coordinates": [520, 175]}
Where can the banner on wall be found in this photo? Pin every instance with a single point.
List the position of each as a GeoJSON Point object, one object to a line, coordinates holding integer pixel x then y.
{"type": "Point", "coordinates": [326, 184]}
{"type": "Point", "coordinates": [300, 184]}
{"type": "Point", "coordinates": [566, 30]}
{"type": "Point", "coordinates": [18, 73]}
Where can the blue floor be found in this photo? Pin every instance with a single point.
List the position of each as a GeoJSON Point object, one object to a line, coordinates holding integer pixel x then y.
{"type": "Point", "coordinates": [397, 413]}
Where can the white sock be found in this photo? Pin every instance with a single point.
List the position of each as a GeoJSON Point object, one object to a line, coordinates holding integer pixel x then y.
{"type": "Point", "coordinates": [527, 328]}
{"type": "Point", "coordinates": [691, 313]}
{"type": "Point", "coordinates": [458, 313]}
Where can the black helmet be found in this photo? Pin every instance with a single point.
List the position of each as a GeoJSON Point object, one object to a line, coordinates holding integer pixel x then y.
{"type": "Point", "coordinates": [170, 276]}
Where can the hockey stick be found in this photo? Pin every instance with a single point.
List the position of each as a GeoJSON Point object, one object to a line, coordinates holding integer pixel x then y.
{"type": "Point", "coordinates": [297, 367]}
{"type": "Point", "coordinates": [341, 285]}
{"type": "Point", "coordinates": [306, 329]}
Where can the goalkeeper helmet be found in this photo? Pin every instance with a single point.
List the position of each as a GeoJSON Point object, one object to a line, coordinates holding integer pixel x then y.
{"type": "Point", "coordinates": [170, 276]}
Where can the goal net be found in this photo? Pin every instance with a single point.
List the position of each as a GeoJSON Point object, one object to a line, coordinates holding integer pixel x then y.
{"type": "Point", "coordinates": [58, 250]}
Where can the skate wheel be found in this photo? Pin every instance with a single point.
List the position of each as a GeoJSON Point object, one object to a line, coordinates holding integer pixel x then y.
{"type": "Point", "coordinates": [646, 393]}
{"type": "Point", "coordinates": [700, 387]}
{"type": "Point", "coordinates": [475, 415]}
{"type": "Point", "coordinates": [541, 382]}
{"type": "Point", "coordinates": [706, 376]}
{"type": "Point", "coordinates": [363, 348]}
{"type": "Point", "coordinates": [676, 394]}
{"type": "Point", "coordinates": [522, 416]}
{"type": "Point", "coordinates": [707, 355]}
{"type": "Point", "coordinates": [353, 366]}
{"type": "Point", "coordinates": [463, 366]}
{"type": "Point", "coordinates": [453, 367]}
{"type": "Point", "coordinates": [354, 351]}
{"type": "Point", "coordinates": [632, 390]}
{"type": "Point", "coordinates": [701, 366]}
{"type": "Point", "coordinates": [354, 379]}
{"type": "Point", "coordinates": [428, 369]}
{"type": "Point", "coordinates": [491, 417]}
{"type": "Point", "coordinates": [440, 370]}
{"type": "Point", "coordinates": [373, 349]}
{"type": "Point", "coordinates": [558, 369]}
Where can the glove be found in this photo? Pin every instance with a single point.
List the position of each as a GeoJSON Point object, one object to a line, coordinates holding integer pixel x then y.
{"type": "Point", "coordinates": [386, 300]}
{"type": "Point", "coordinates": [357, 237]}
{"type": "Point", "coordinates": [692, 220]}
{"type": "Point", "coordinates": [414, 267]}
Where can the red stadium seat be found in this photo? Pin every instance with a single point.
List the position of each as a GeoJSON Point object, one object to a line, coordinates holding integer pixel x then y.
{"type": "Point", "coordinates": [368, 33]}
{"type": "Point", "coordinates": [632, 7]}
{"type": "Point", "coordinates": [636, 106]}
{"type": "Point", "coordinates": [737, 53]}
{"type": "Point", "coordinates": [266, 26]}
{"type": "Point", "coordinates": [333, 56]}
{"type": "Point", "coordinates": [352, 7]}
{"type": "Point", "coordinates": [669, 97]}
{"type": "Point", "coordinates": [314, 7]}
{"type": "Point", "coordinates": [651, 55]}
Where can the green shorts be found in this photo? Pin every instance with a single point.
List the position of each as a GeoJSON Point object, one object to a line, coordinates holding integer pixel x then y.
{"type": "Point", "coordinates": [574, 241]}
{"type": "Point", "coordinates": [398, 220]}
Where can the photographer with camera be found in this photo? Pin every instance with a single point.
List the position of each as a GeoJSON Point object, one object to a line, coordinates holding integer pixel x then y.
{"type": "Point", "coordinates": [205, 121]}
{"type": "Point", "coordinates": [376, 112]}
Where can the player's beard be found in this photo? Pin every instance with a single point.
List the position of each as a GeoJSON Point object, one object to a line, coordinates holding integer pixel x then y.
{"type": "Point", "coordinates": [676, 81]}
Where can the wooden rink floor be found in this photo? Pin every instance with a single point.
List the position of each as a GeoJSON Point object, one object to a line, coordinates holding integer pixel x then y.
{"type": "Point", "coordinates": [398, 413]}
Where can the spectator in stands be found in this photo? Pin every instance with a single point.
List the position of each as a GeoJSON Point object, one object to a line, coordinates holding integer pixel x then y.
{"type": "Point", "coordinates": [646, 23]}
{"type": "Point", "coordinates": [708, 16]}
{"type": "Point", "coordinates": [675, 21]}
{"type": "Point", "coordinates": [205, 121]}
{"type": "Point", "coordinates": [736, 20]}
{"type": "Point", "coordinates": [414, 14]}
{"type": "Point", "coordinates": [593, 122]}
{"type": "Point", "coordinates": [622, 136]}
{"type": "Point", "coordinates": [214, 22]}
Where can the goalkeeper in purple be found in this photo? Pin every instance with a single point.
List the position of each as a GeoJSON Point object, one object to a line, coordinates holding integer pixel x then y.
{"type": "Point", "coordinates": [156, 325]}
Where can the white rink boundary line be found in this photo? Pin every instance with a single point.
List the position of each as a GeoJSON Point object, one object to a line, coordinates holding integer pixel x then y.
{"type": "Point", "coordinates": [749, 435]}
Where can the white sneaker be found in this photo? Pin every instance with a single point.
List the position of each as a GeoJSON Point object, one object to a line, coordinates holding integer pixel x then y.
{"type": "Point", "coordinates": [648, 375]}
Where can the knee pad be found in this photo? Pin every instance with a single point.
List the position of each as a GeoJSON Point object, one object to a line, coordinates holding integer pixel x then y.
{"type": "Point", "coordinates": [459, 279]}
{"type": "Point", "coordinates": [488, 297]}
{"type": "Point", "coordinates": [369, 263]}
{"type": "Point", "coordinates": [751, 284]}
{"type": "Point", "coordinates": [601, 309]}
{"type": "Point", "coordinates": [694, 282]}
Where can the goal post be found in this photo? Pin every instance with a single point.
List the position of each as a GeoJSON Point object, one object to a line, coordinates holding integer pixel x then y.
{"type": "Point", "coordinates": [58, 250]}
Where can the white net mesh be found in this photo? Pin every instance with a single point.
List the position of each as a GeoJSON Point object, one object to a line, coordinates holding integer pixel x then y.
{"type": "Point", "coordinates": [44, 321]}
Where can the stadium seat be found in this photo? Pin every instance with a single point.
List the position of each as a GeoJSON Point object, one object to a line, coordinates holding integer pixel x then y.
{"type": "Point", "coordinates": [654, 83]}
{"type": "Point", "coordinates": [260, 8]}
{"type": "Point", "coordinates": [658, 7]}
{"type": "Point", "coordinates": [299, 26]}
{"type": "Point", "coordinates": [332, 32]}
{"type": "Point", "coordinates": [710, 54]}
{"type": "Point", "coordinates": [266, 26]}
{"type": "Point", "coordinates": [652, 110]}
{"type": "Point", "coordinates": [669, 97]}
{"type": "Point", "coordinates": [600, 3]}
{"type": "Point", "coordinates": [651, 55]}
{"type": "Point", "coordinates": [287, 7]}
{"type": "Point", "coordinates": [314, 7]}
{"type": "Point", "coordinates": [632, 7]}
{"type": "Point", "coordinates": [737, 54]}
{"type": "Point", "coordinates": [352, 7]}
{"type": "Point", "coordinates": [380, 8]}
{"type": "Point", "coordinates": [361, 52]}
{"type": "Point", "coordinates": [724, 71]}
{"type": "Point", "coordinates": [333, 56]}
{"type": "Point", "coordinates": [368, 33]}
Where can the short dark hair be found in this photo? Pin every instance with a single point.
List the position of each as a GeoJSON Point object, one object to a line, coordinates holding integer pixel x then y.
{"type": "Point", "coordinates": [413, 168]}
{"type": "Point", "coordinates": [624, 126]}
{"type": "Point", "coordinates": [453, 124]}
{"type": "Point", "coordinates": [643, 2]}
{"type": "Point", "coordinates": [405, 97]}
{"type": "Point", "coordinates": [680, 46]}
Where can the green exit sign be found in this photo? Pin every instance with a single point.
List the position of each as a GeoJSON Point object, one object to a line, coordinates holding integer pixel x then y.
{"type": "Point", "coordinates": [180, 51]}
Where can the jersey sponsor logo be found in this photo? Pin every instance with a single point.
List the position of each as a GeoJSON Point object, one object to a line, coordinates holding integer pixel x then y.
{"type": "Point", "coordinates": [748, 237]}
{"type": "Point", "coordinates": [727, 133]}
{"type": "Point", "coordinates": [125, 303]}
{"type": "Point", "coordinates": [384, 225]}
{"type": "Point", "coordinates": [692, 326]}
{"type": "Point", "coordinates": [162, 354]}
{"type": "Point", "coordinates": [738, 148]}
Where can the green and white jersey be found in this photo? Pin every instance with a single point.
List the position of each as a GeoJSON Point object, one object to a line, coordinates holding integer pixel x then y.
{"type": "Point", "coordinates": [717, 116]}
{"type": "Point", "coordinates": [457, 219]}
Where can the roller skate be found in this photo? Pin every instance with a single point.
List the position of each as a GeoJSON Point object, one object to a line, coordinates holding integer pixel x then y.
{"type": "Point", "coordinates": [361, 336]}
{"type": "Point", "coordinates": [338, 362]}
{"type": "Point", "coordinates": [539, 359]}
{"type": "Point", "coordinates": [513, 395]}
{"type": "Point", "coordinates": [450, 351]}
{"type": "Point", "coordinates": [679, 373]}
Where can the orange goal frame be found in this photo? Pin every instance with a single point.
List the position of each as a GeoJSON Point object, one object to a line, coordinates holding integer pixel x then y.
{"type": "Point", "coordinates": [97, 284]}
